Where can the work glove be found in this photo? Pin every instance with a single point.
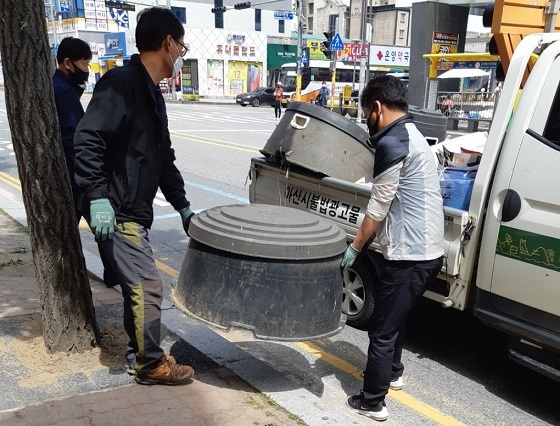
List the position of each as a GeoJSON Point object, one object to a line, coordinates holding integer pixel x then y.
{"type": "Point", "coordinates": [103, 221]}
{"type": "Point", "coordinates": [349, 258]}
{"type": "Point", "coordinates": [186, 216]}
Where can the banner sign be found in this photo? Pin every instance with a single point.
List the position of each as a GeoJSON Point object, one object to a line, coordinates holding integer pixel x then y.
{"type": "Point", "coordinates": [445, 43]}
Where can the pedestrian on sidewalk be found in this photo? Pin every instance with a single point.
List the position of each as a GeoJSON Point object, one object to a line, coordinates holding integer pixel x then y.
{"type": "Point", "coordinates": [73, 57]}
{"type": "Point", "coordinates": [405, 214]}
{"type": "Point", "coordinates": [324, 95]}
{"type": "Point", "coordinates": [123, 154]}
{"type": "Point", "coordinates": [278, 101]}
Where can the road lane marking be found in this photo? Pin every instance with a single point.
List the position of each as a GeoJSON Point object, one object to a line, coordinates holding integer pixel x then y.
{"type": "Point", "coordinates": [9, 180]}
{"type": "Point", "coordinates": [167, 269]}
{"type": "Point", "coordinates": [216, 191]}
{"type": "Point", "coordinates": [420, 407]}
{"type": "Point", "coordinates": [222, 144]}
{"type": "Point", "coordinates": [206, 138]}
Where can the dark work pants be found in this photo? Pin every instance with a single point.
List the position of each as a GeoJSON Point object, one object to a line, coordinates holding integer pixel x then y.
{"type": "Point", "coordinates": [130, 255]}
{"type": "Point", "coordinates": [277, 109]}
{"type": "Point", "coordinates": [400, 284]}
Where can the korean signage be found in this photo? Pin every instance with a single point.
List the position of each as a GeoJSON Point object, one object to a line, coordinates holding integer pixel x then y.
{"type": "Point", "coordinates": [315, 51]}
{"type": "Point", "coordinates": [284, 15]}
{"type": "Point", "coordinates": [99, 17]}
{"type": "Point", "coordinates": [352, 52]}
{"type": "Point", "coordinates": [120, 5]}
{"type": "Point", "coordinates": [389, 56]}
{"type": "Point", "coordinates": [96, 15]}
{"type": "Point", "coordinates": [445, 43]}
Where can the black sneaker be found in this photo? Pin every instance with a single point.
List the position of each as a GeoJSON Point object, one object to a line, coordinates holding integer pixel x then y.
{"type": "Point", "coordinates": [396, 384]}
{"type": "Point", "coordinates": [376, 411]}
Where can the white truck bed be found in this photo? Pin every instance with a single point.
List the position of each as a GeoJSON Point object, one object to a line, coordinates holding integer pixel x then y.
{"type": "Point", "coordinates": [345, 204]}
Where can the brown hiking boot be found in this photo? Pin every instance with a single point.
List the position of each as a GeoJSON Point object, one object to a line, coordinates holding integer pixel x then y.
{"type": "Point", "coordinates": [167, 372]}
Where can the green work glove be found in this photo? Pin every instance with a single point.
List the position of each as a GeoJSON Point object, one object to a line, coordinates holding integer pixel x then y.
{"type": "Point", "coordinates": [350, 256]}
{"type": "Point", "coordinates": [103, 221]}
{"type": "Point", "coordinates": [186, 216]}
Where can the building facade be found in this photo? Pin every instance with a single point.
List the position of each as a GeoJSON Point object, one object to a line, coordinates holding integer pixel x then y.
{"type": "Point", "coordinates": [322, 16]}
{"type": "Point", "coordinates": [390, 25]}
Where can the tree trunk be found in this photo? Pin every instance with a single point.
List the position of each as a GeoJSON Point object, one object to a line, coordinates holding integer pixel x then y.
{"type": "Point", "coordinates": [68, 314]}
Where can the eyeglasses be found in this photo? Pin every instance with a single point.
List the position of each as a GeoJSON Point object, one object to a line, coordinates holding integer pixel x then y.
{"type": "Point", "coordinates": [184, 49]}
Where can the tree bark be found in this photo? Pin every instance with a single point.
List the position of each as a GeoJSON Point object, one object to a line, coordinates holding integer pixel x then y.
{"type": "Point", "coordinates": [68, 315]}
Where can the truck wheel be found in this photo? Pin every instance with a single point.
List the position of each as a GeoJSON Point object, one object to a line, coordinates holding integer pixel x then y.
{"type": "Point", "coordinates": [357, 298]}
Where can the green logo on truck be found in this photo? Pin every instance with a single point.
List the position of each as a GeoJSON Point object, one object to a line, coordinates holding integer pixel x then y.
{"type": "Point", "coordinates": [528, 247]}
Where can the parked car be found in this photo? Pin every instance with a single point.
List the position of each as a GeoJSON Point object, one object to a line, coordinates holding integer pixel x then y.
{"type": "Point", "coordinates": [260, 96]}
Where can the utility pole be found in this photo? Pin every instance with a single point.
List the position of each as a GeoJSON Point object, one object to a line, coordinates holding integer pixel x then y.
{"type": "Point", "coordinates": [299, 50]}
{"type": "Point", "coordinates": [334, 57]}
{"type": "Point", "coordinates": [362, 59]}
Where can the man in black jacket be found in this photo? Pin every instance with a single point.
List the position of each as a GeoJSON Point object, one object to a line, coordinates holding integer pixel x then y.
{"type": "Point", "coordinates": [73, 57]}
{"type": "Point", "coordinates": [123, 154]}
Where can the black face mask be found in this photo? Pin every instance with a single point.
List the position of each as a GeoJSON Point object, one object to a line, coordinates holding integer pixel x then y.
{"type": "Point", "coordinates": [78, 76]}
{"type": "Point", "coordinates": [372, 128]}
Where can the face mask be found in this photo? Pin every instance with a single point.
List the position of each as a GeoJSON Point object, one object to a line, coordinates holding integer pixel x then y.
{"type": "Point", "coordinates": [78, 76]}
{"type": "Point", "coordinates": [373, 128]}
{"type": "Point", "coordinates": [178, 64]}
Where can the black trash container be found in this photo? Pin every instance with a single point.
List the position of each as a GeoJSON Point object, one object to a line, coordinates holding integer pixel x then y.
{"type": "Point", "coordinates": [270, 269]}
{"type": "Point", "coordinates": [432, 124]}
{"type": "Point", "coordinates": [322, 141]}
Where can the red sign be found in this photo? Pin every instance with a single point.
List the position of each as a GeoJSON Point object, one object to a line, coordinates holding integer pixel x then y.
{"type": "Point", "coordinates": [352, 52]}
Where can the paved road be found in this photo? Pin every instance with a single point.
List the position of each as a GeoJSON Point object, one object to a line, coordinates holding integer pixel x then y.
{"type": "Point", "coordinates": [457, 370]}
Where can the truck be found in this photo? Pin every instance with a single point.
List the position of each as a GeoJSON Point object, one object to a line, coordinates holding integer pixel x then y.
{"type": "Point", "coordinates": [502, 254]}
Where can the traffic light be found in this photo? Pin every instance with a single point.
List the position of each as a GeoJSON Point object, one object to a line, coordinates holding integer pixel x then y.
{"type": "Point", "coordinates": [243, 5]}
{"type": "Point", "coordinates": [327, 43]}
{"type": "Point", "coordinates": [219, 9]}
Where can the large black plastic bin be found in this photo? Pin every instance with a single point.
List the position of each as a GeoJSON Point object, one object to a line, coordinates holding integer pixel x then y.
{"type": "Point", "coordinates": [432, 124]}
{"type": "Point", "coordinates": [270, 269]}
{"type": "Point", "coordinates": [322, 141]}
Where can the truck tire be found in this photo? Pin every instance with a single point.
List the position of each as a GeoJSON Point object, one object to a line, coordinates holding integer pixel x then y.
{"type": "Point", "coordinates": [358, 299]}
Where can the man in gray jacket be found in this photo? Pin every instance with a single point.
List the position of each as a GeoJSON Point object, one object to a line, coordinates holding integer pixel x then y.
{"type": "Point", "coordinates": [405, 214]}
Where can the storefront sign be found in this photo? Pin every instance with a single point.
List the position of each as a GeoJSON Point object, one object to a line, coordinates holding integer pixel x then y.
{"type": "Point", "coordinates": [389, 56]}
{"type": "Point", "coordinates": [235, 50]}
{"type": "Point", "coordinates": [445, 43]}
{"type": "Point", "coordinates": [315, 52]}
{"type": "Point", "coordinates": [352, 52]}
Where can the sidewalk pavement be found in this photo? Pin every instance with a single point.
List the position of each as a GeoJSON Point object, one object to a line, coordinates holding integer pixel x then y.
{"type": "Point", "coordinates": [93, 388]}
{"type": "Point", "coordinates": [230, 386]}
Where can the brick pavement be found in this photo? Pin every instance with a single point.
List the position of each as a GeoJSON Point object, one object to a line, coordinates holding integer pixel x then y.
{"type": "Point", "coordinates": [216, 397]}
{"type": "Point", "coordinates": [107, 396]}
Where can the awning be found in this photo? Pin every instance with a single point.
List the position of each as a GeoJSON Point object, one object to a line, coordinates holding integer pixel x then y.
{"type": "Point", "coordinates": [464, 73]}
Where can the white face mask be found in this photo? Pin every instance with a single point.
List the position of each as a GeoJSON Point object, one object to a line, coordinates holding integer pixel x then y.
{"type": "Point", "coordinates": [178, 64]}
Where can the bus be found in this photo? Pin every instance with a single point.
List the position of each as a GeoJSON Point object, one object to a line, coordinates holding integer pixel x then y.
{"type": "Point", "coordinates": [313, 76]}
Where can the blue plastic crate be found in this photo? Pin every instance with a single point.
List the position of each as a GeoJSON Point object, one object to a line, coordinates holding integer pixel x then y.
{"type": "Point", "coordinates": [456, 188]}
